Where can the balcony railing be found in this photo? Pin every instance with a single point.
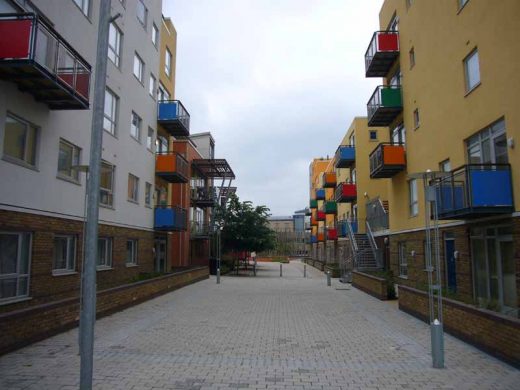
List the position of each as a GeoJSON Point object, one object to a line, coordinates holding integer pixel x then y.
{"type": "Point", "coordinates": [199, 230]}
{"type": "Point", "coordinates": [173, 117]}
{"type": "Point", "coordinates": [313, 204]}
{"type": "Point", "coordinates": [203, 196]}
{"type": "Point", "coordinates": [381, 53]}
{"type": "Point", "coordinates": [386, 160]}
{"type": "Point", "coordinates": [172, 167]}
{"type": "Point", "coordinates": [170, 218]}
{"type": "Point", "coordinates": [345, 156]}
{"type": "Point", "coordinates": [377, 214]}
{"type": "Point", "coordinates": [320, 215]}
{"type": "Point", "coordinates": [346, 192]}
{"type": "Point", "coordinates": [474, 191]}
{"type": "Point", "coordinates": [320, 194]}
{"type": "Point", "coordinates": [39, 60]}
{"type": "Point", "coordinates": [328, 179]}
{"type": "Point", "coordinates": [330, 207]}
{"type": "Point", "coordinates": [332, 234]}
{"type": "Point", "coordinates": [384, 105]}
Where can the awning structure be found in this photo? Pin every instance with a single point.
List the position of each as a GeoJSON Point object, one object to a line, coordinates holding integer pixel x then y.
{"type": "Point", "coordinates": [214, 168]}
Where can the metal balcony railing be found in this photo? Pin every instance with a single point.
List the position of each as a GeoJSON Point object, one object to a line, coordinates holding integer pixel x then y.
{"type": "Point", "coordinates": [170, 218]}
{"type": "Point", "coordinates": [204, 196]}
{"type": "Point", "coordinates": [381, 53]}
{"type": "Point", "coordinates": [328, 179]}
{"type": "Point", "coordinates": [199, 229]}
{"type": "Point", "coordinates": [386, 160]}
{"type": "Point", "coordinates": [174, 117]}
{"type": "Point", "coordinates": [384, 105]}
{"type": "Point", "coordinates": [345, 156]}
{"type": "Point", "coordinates": [320, 194]}
{"type": "Point", "coordinates": [377, 215]}
{"type": "Point", "coordinates": [172, 167]}
{"type": "Point", "coordinates": [346, 192]}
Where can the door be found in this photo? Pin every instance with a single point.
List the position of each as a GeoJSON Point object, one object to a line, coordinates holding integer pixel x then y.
{"type": "Point", "coordinates": [451, 268]}
{"type": "Point", "coordinates": [160, 255]}
{"type": "Point", "coordinates": [508, 297]}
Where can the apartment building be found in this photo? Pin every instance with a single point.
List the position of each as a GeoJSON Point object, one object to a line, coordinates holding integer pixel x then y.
{"type": "Point", "coordinates": [318, 219]}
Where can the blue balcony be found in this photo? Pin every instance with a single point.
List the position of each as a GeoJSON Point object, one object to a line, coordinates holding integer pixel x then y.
{"type": "Point", "coordinates": [173, 117]}
{"type": "Point", "coordinates": [314, 239]}
{"type": "Point", "coordinates": [170, 219]}
{"type": "Point", "coordinates": [345, 156]}
{"type": "Point", "coordinates": [474, 191]}
{"type": "Point", "coordinates": [320, 194]}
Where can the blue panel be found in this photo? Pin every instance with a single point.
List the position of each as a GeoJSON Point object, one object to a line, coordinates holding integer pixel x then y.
{"type": "Point", "coordinates": [354, 225]}
{"type": "Point", "coordinates": [167, 111]}
{"type": "Point", "coordinates": [342, 227]}
{"type": "Point", "coordinates": [491, 188]}
{"type": "Point", "coordinates": [164, 218]}
{"type": "Point", "coordinates": [314, 239]}
{"type": "Point", "coordinates": [320, 193]}
{"type": "Point", "coordinates": [347, 153]}
{"type": "Point", "coordinates": [450, 198]}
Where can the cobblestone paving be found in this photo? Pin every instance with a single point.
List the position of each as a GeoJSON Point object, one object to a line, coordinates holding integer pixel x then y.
{"type": "Point", "coordinates": [257, 333]}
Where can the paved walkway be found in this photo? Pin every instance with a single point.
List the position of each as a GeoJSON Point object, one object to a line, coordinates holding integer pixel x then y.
{"type": "Point", "coordinates": [257, 333]}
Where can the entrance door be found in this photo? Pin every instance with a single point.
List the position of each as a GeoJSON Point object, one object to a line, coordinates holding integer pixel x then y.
{"type": "Point", "coordinates": [508, 276]}
{"type": "Point", "coordinates": [451, 269]}
{"type": "Point", "coordinates": [160, 255]}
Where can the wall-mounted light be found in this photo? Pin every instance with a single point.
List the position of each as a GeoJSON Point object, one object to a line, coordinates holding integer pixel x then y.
{"type": "Point", "coordinates": [412, 253]}
{"type": "Point", "coordinates": [456, 255]}
{"type": "Point", "coordinates": [511, 142]}
{"type": "Point", "coordinates": [386, 240]}
{"type": "Point", "coordinates": [365, 194]}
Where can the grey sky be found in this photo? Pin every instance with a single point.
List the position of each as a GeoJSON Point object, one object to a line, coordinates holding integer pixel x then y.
{"type": "Point", "coordinates": [277, 82]}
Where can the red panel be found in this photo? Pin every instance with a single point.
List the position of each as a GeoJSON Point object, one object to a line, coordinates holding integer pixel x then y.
{"type": "Point", "coordinates": [82, 84]}
{"type": "Point", "coordinates": [387, 42]}
{"type": "Point", "coordinates": [67, 78]}
{"type": "Point", "coordinates": [15, 38]}
{"type": "Point", "coordinates": [321, 216]}
{"type": "Point", "coordinates": [349, 190]}
{"type": "Point", "coordinates": [332, 234]}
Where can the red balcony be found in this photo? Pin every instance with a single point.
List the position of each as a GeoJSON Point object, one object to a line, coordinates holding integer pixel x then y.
{"type": "Point", "coordinates": [346, 192]}
{"type": "Point", "coordinates": [381, 53]}
{"type": "Point", "coordinates": [35, 57]}
{"type": "Point", "coordinates": [320, 215]}
{"type": "Point", "coordinates": [332, 234]}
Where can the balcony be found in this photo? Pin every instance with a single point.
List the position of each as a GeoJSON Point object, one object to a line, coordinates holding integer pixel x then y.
{"type": "Point", "coordinates": [328, 179]}
{"type": "Point", "coordinates": [320, 194]}
{"type": "Point", "coordinates": [330, 207]}
{"type": "Point", "coordinates": [346, 192]}
{"type": "Point", "coordinates": [314, 239]}
{"type": "Point", "coordinates": [199, 230]}
{"type": "Point", "coordinates": [35, 57]}
{"type": "Point", "coordinates": [173, 117]}
{"type": "Point", "coordinates": [320, 215]}
{"type": "Point", "coordinates": [308, 212]}
{"type": "Point", "coordinates": [314, 204]}
{"type": "Point", "coordinates": [345, 156]}
{"type": "Point", "coordinates": [332, 234]}
{"type": "Point", "coordinates": [172, 167]}
{"type": "Point", "coordinates": [387, 160]}
{"type": "Point", "coordinates": [475, 191]}
{"type": "Point", "coordinates": [382, 53]}
{"type": "Point", "coordinates": [384, 105]}
{"type": "Point", "coordinates": [170, 218]}
{"type": "Point", "coordinates": [321, 237]}
{"type": "Point", "coordinates": [203, 197]}
{"type": "Point", "coordinates": [314, 221]}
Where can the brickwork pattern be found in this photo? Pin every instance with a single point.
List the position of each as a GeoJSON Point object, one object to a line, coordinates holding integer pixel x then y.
{"type": "Point", "coordinates": [377, 287]}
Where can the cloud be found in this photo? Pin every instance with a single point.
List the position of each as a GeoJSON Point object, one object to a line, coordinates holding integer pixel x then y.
{"type": "Point", "coordinates": [276, 82]}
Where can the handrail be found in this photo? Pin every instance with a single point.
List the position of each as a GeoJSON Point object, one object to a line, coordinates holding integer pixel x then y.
{"type": "Point", "coordinates": [373, 245]}
{"type": "Point", "coordinates": [373, 43]}
{"type": "Point", "coordinates": [351, 236]}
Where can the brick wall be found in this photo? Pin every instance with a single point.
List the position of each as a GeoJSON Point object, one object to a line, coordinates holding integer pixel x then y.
{"type": "Point", "coordinates": [492, 332]}
{"type": "Point", "coordinates": [373, 285]}
{"type": "Point", "coordinates": [17, 328]}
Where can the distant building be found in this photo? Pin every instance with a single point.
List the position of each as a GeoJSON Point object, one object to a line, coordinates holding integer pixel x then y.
{"type": "Point", "coordinates": [281, 224]}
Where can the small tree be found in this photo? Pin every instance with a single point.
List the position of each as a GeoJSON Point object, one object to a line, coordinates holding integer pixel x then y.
{"type": "Point", "coordinates": [245, 228]}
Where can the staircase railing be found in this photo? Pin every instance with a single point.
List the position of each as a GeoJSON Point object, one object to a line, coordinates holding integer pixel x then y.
{"type": "Point", "coordinates": [377, 214]}
{"type": "Point", "coordinates": [373, 245]}
{"type": "Point", "coordinates": [351, 236]}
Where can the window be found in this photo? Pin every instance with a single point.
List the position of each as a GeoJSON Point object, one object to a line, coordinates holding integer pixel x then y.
{"type": "Point", "coordinates": [149, 139]}
{"type": "Point", "coordinates": [20, 139]}
{"type": "Point", "coordinates": [416, 121]}
{"type": "Point", "coordinates": [138, 67]}
{"type": "Point", "coordinates": [373, 135]}
{"type": "Point", "coordinates": [168, 62]}
{"type": "Point", "coordinates": [84, 6]}
{"type": "Point", "coordinates": [68, 157]}
{"type": "Point", "coordinates": [155, 35]}
{"type": "Point", "coordinates": [161, 194]}
{"type": "Point", "coordinates": [148, 194]}
{"type": "Point", "coordinates": [64, 259]}
{"type": "Point", "coordinates": [162, 93]}
{"type": "Point", "coordinates": [472, 70]}
{"type": "Point", "coordinates": [151, 87]}
{"type": "Point", "coordinates": [462, 3]}
{"type": "Point", "coordinates": [399, 135]}
{"type": "Point", "coordinates": [114, 44]}
{"type": "Point", "coordinates": [488, 146]}
{"type": "Point", "coordinates": [161, 144]}
{"type": "Point", "coordinates": [411, 55]}
{"type": "Point", "coordinates": [106, 195]}
{"type": "Point", "coordinates": [104, 259]}
{"type": "Point", "coordinates": [394, 24]}
{"type": "Point", "coordinates": [414, 199]}
{"type": "Point", "coordinates": [15, 262]}
{"type": "Point", "coordinates": [142, 12]}
{"type": "Point", "coordinates": [131, 252]}
{"type": "Point", "coordinates": [111, 107]}
{"type": "Point", "coordinates": [135, 126]}
{"type": "Point", "coordinates": [445, 166]}
{"type": "Point", "coordinates": [403, 263]}
{"type": "Point", "coordinates": [133, 188]}
{"type": "Point", "coordinates": [352, 140]}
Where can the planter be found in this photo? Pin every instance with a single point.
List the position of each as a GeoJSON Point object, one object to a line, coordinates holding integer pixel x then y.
{"type": "Point", "coordinates": [372, 285]}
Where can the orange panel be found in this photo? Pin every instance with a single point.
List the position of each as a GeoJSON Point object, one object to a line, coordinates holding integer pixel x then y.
{"type": "Point", "coordinates": [394, 155]}
{"type": "Point", "coordinates": [165, 163]}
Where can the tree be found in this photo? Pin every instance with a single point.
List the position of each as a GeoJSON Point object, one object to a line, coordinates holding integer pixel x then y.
{"type": "Point", "coordinates": [245, 228]}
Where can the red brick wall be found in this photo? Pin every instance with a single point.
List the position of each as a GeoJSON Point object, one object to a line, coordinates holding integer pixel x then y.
{"type": "Point", "coordinates": [492, 332]}
{"type": "Point", "coordinates": [17, 328]}
{"type": "Point", "coordinates": [370, 284]}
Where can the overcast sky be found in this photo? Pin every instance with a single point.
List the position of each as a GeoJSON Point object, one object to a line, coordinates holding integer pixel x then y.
{"type": "Point", "coordinates": [277, 82]}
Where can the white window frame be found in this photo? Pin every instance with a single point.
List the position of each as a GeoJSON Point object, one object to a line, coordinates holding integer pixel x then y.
{"type": "Point", "coordinates": [110, 118]}
{"type": "Point", "coordinates": [133, 188]}
{"type": "Point", "coordinates": [28, 155]}
{"type": "Point", "coordinates": [487, 136]}
{"type": "Point", "coordinates": [136, 122]}
{"type": "Point", "coordinates": [155, 34]}
{"type": "Point", "coordinates": [445, 165]}
{"type": "Point", "coordinates": [462, 3]}
{"type": "Point", "coordinates": [134, 247]}
{"type": "Point", "coordinates": [413, 198]}
{"type": "Point", "coordinates": [402, 258]}
{"type": "Point", "coordinates": [470, 86]}
{"type": "Point", "coordinates": [149, 139]}
{"type": "Point", "coordinates": [138, 68]}
{"type": "Point", "coordinates": [76, 158]}
{"type": "Point", "coordinates": [114, 52]}
{"type": "Point", "coordinates": [152, 86]}
{"type": "Point", "coordinates": [70, 261]}
{"type": "Point", "coordinates": [168, 62]}
{"type": "Point", "coordinates": [140, 3]}
{"type": "Point", "coordinates": [107, 242]}
{"type": "Point", "coordinates": [162, 93]}
{"type": "Point", "coordinates": [161, 144]}
{"type": "Point", "coordinates": [84, 6]}
{"type": "Point", "coordinates": [17, 275]}
{"type": "Point", "coordinates": [108, 192]}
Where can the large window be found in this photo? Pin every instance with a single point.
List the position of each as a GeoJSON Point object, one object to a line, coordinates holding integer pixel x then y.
{"type": "Point", "coordinates": [161, 144]}
{"type": "Point", "coordinates": [15, 262]}
{"type": "Point", "coordinates": [402, 257]}
{"type": "Point", "coordinates": [104, 259]}
{"type": "Point", "coordinates": [142, 12]}
{"type": "Point", "coordinates": [152, 86]}
{"type": "Point", "coordinates": [84, 5]}
{"type": "Point", "coordinates": [106, 195]}
{"type": "Point", "coordinates": [20, 140]}
{"type": "Point", "coordinates": [489, 146]}
{"type": "Point", "coordinates": [155, 35]}
{"type": "Point", "coordinates": [111, 107]}
{"type": "Point", "coordinates": [68, 157]}
{"type": "Point", "coordinates": [168, 62]}
{"type": "Point", "coordinates": [162, 93]}
{"type": "Point", "coordinates": [399, 134]}
{"type": "Point", "coordinates": [414, 199]}
{"type": "Point", "coordinates": [135, 126]}
{"type": "Point", "coordinates": [114, 44]}
{"type": "Point", "coordinates": [133, 188]}
{"type": "Point", "coordinates": [472, 70]}
{"type": "Point", "coordinates": [131, 252]}
{"type": "Point", "coordinates": [138, 68]}
{"type": "Point", "coordinates": [64, 259]}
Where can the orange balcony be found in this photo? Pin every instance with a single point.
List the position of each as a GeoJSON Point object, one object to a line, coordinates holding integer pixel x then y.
{"type": "Point", "coordinates": [328, 179]}
{"type": "Point", "coordinates": [387, 160]}
{"type": "Point", "coordinates": [321, 237]}
{"type": "Point", "coordinates": [172, 167]}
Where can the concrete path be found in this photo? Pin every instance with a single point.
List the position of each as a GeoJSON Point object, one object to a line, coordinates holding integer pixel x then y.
{"type": "Point", "coordinates": [258, 333]}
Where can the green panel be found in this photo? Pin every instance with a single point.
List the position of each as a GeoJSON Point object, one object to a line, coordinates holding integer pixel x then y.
{"type": "Point", "coordinates": [314, 204]}
{"type": "Point", "coordinates": [391, 97]}
{"type": "Point", "coordinates": [331, 207]}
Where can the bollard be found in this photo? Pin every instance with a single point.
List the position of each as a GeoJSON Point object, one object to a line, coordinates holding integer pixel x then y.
{"type": "Point", "coordinates": [280, 269]}
{"type": "Point", "coordinates": [437, 344]}
{"type": "Point", "coordinates": [305, 270]}
{"type": "Point", "coordinates": [218, 275]}
{"type": "Point", "coordinates": [328, 279]}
